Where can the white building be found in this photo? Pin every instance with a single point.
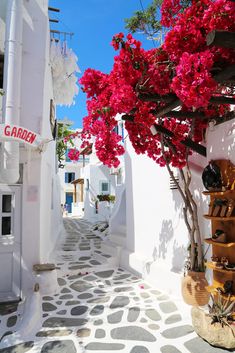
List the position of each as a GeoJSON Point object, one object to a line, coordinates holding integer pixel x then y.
{"type": "Point", "coordinates": [30, 214]}
{"type": "Point", "coordinates": [72, 181]}
{"type": "Point", "coordinates": [147, 225]}
{"type": "Point", "coordinates": [100, 180]}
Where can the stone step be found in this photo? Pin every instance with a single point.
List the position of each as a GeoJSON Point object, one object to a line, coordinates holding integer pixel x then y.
{"type": "Point", "coordinates": [106, 259]}
{"type": "Point", "coordinates": [118, 239]}
{"type": "Point", "coordinates": [43, 267]}
{"type": "Point", "coordinates": [111, 248]}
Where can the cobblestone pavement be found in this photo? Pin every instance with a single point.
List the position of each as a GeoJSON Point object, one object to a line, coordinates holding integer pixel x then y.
{"type": "Point", "coordinates": [98, 308]}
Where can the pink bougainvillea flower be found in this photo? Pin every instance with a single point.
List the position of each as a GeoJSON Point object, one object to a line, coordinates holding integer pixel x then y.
{"type": "Point", "coordinates": [73, 154]}
{"type": "Point", "coordinates": [193, 83]}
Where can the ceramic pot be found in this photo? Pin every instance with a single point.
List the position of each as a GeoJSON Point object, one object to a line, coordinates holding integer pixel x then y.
{"type": "Point", "coordinates": [194, 289]}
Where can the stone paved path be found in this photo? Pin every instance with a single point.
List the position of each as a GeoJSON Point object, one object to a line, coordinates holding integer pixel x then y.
{"type": "Point", "coordinates": [98, 308]}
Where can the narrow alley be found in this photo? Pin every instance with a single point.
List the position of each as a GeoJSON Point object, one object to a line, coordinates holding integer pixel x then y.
{"type": "Point", "coordinates": [98, 307]}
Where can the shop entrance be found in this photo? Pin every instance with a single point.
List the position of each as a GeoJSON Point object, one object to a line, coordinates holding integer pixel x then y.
{"type": "Point", "coordinates": [10, 242]}
{"type": "Point", "coordinates": [68, 201]}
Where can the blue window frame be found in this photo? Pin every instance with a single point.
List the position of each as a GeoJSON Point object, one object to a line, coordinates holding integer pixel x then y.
{"type": "Point", "coordinates": [104, 187]}
{"type": "Point", "coordinates": [69, 177]}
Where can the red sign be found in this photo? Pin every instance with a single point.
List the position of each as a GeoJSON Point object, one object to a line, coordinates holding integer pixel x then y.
{"type": "Point", "coordinates": [13, 132]}
{"type": "Point", "coordinates": [18, 132]}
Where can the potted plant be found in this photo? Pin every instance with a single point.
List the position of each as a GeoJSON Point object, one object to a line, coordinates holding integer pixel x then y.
{"type": "Point", "coordinates": [107, 197]}
{"type": "Point", "coordinates": [217, 325]}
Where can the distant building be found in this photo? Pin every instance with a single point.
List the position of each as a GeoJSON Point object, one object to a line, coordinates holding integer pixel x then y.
{"type": "Point", "coordinates": [101, 180]}
{"type": "Point", "coordinates": [71, 181]}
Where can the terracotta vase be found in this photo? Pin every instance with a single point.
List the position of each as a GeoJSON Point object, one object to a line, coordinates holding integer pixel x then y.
{"type": "Point", "coordinates": [194, 289]}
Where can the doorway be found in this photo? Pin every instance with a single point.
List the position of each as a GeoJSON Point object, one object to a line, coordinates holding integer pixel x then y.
{"type": "Point", "coordinates": [10, 242]}
{"type": "Point", "coordinates": [68, 201]}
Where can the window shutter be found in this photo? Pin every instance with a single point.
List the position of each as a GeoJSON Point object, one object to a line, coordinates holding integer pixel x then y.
{"type": "Point", "coordinates": [173, 185]}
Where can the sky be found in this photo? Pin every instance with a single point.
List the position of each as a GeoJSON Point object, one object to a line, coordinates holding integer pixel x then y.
{"type": "Point", "coordinates": [93, 22]}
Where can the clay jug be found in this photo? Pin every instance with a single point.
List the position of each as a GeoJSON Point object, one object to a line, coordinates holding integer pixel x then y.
{"type": "Point", "coordinates": [194, 289]}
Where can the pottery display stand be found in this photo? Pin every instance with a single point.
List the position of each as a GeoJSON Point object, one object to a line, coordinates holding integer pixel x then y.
{"type": "Point", "coordinates": [222, 218]}
{"type": "Point", "coordinates": [226, 222]}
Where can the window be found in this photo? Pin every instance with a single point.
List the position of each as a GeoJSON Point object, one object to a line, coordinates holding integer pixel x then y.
{"type": "Point", "coordinates": [69, 177]}
{"type": "Point", "coordinates": [173, 182]}
{"type": "Point", "coordinates": [104, 187]}
{"type": "Point", "coordinates": [6, 203]}
{"type": "Point", "coordinates": [6, 225]}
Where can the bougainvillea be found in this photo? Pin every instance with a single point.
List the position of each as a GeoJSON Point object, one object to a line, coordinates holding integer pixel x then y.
{"type": "Point", "coordinates": [193, 82]}
{"type": "Point", "coordinates": [182, 67]}
{"type": "Point", "coordinates": [169, 9]}
{"type": "Point", "coordinates": [73, 154]}
{"type": "Point", "coordinates": [219, 15]}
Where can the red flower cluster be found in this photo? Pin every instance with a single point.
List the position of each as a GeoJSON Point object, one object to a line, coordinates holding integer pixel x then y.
{"type": "Point", "coordinates": [169, 9]}
{"type": "Point", "coordinates": [220, 15]}
{"type": "Point", "coordinates": [182, 67]}
{"type": "Point", "coordinates": [73, 154]}
{"type": "Point", "coordinates": [193, 82]}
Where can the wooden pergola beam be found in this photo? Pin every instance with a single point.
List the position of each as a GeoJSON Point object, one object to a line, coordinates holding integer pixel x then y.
{"type": "Point", "coordinates": [171, 97]}
{"type": "Point", "coordinates": [225, 74]}
{"type": "Point", "coordinates": [53, 9]}
{"type": "Point", "coordinates": [196, 147]}
{"type": "Point", "coordinates": [127, 117]}
{"type": "Point", "coordinates": [222, 39]}
{"type": "Point", "coordinates": [176, 103]}
{"type": "Point", "coordinates": [148, 97]}
{"type": "Point", "coordinates": [182, 114]}
{"type": "Point", "coordinates": [186, 142]}
{"type": "Point", "coordinates": [222, 100]}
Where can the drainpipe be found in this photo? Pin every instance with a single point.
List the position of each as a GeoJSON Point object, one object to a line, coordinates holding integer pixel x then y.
{"type": "Point", "coordinates": [9, 157]}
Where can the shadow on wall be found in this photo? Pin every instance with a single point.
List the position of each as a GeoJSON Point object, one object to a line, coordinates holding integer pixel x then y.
{"type": "Point", "coordinates": [165, 236]}
{"type": "Point", "coordinates": [179, 256]}
{"type": "Point", "coordinates": [221, 142]}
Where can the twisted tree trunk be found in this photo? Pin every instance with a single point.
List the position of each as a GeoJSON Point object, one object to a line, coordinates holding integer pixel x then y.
{"type": "Point", "coordinates": [189, 210]}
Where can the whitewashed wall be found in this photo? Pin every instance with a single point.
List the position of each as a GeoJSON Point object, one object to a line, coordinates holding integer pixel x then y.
{"type": "Point", "coordinates": [117, 221]}
{"type": "Point", "coordinates": [156, 235]}
{"type": "Point", "coordinates": [41, 213]}
{"type": "Point", "coordinates": [156, 238]}
{"type": "Point", "coordinates": [221, 141]}
{"type": "Point", "coordinates": [2, 39]}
